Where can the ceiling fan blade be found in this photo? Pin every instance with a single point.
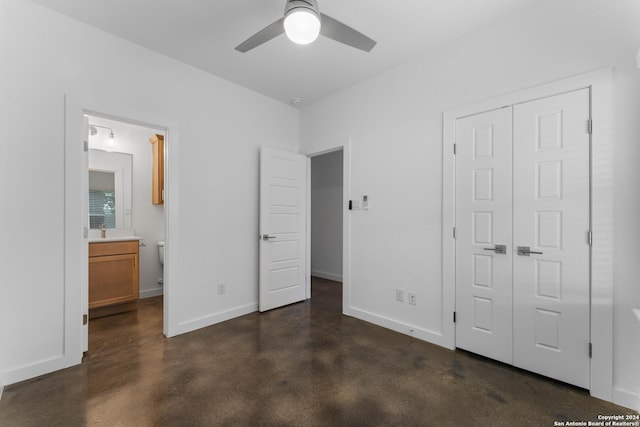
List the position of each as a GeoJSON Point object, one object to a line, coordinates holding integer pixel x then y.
{"type": "Point", "coordinates": [262, 36]}
{"type": "Point", "coordinates": [342, 33]}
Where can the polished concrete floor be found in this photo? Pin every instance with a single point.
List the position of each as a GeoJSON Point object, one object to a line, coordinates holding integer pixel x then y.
{"type": "Point", "coordinates": [304, 364]}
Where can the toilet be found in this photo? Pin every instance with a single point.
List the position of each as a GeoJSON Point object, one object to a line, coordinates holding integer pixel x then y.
{"type": "Point", "coordinates": [161, 252]}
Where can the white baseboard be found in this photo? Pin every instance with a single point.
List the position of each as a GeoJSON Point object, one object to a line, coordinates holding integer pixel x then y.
{"type": "Point", "coordinates": [212, 319]}
{"type": "Point", "coordinates": [42, 367]}
{"type": "Point", "coordinates": [328, 276]}
{"type": "Point", "coordinates": [148, 293]}
{"type": "Point", "coordinates": [627, 399]}
{"type": "Point", "coordinates": [404, 328]}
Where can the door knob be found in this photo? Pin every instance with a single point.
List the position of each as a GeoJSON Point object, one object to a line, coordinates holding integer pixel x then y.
{"type": "Point", "coordinates": [526, 251]}
{"type": "Point", "coordinates": [499, 249]}
{"type": "Point", "coordinates": [267, 237]}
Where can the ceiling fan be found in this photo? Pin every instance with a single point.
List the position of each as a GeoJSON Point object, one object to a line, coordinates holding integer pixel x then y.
{"type": "Point", "coordinates": [302, 22]}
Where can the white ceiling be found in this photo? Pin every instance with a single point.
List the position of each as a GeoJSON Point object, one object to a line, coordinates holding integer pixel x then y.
{"type": "Point", "coordinates": [203, 33]}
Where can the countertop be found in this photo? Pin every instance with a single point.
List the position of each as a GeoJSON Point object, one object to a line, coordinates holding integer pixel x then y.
{"type": "Point", "coordinates": [113, 239]}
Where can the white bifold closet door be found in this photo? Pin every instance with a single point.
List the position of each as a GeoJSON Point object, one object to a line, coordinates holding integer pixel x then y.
{"type": "Point", "coordinates": [522, 181]}
{"type": "Point", "coordinates": [484, 315]}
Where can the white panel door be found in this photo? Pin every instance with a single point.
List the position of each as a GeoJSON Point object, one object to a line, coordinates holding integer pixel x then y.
{"type": "Point", "coordinates": [551, 218]}
{"type": "Point", "coordinates": [483, 220]}
{"type": "Point", "coordinates": [283, 186]}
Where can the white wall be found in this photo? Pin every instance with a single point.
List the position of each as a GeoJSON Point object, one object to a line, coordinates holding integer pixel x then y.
{"type": "Point", "coordinates": [148, 219]}
{"type": "Point", "coordinates": [326, 216]}
{"type": "Point", "coordinates": [394, 121]}
{"type": "Point", "coordinates": [215, 180]}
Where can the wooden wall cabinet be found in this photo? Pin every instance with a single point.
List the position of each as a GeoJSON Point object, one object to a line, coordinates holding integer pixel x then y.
{"type": "Point", "coordinates": [113, 277]}
{"type": "Point", "coordinates": [157, 173]}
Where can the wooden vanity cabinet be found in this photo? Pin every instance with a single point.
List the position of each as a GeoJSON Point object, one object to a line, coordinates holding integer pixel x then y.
{"type": "Point", "coordinates": [113, 277]}
{"type": "Point", "coordinates": [157, 171]}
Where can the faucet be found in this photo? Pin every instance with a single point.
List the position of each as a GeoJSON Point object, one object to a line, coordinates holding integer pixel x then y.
{"type": "Point", "coordinates": [103, 231]}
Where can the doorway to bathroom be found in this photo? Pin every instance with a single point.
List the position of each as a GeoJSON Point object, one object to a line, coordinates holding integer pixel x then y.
{"type": "Point", "coordinates": [126, 221]}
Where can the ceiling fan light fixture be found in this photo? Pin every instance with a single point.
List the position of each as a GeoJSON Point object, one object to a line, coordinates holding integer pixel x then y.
{"type": "Point", "coordinates": [302, 25]}
{"type": "Point", "coordinates": [303, 22]}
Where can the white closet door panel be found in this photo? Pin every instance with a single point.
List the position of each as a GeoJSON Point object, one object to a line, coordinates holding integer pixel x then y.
{"type": "Point", "coordinates": [551, 216]}
{"type": "Point", "coordinates": [483, 220]}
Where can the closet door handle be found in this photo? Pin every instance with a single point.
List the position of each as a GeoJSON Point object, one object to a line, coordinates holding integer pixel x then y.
{"type": "Point", "coordinates": [267, 237]}
{"type": "Point", "coordinates": [499, 249]}
{"type": "Point", "coordinates": [526, 251]}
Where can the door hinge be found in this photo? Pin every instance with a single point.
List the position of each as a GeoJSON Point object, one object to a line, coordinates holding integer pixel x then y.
{"type": "Point", "coordinates": [590, 350]}
{"type": "Point", "coordinates": [454, 232]}
{"type": "Point", "coordinates": [590, 126]}
{"type": "Point", "coordinates": [85, 319]}
{"type": "Point", "coordinates": [454, 149]}
{"type": "Point", "coordinates": [86, 146]}
{"type": "Point", "coordinates": [454, 317]}
{"type": "Point", "coordinates": [590, 237]}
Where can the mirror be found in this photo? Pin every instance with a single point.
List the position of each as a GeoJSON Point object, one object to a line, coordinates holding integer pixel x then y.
{"type": "Point", "coordinates": [102, 201]}
{"type": "Point", "coordinates": [110, 189]}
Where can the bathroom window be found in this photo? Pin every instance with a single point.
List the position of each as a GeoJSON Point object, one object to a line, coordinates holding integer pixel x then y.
{"type": "Point", "coordinates": [102, 199]}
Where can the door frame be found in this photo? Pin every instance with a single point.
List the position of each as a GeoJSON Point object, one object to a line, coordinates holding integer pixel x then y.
{"type": "Point", "coordinates": [345, 146]}
{"type": "Point", "coordinates": [76, 246]}
{"type": "Point", "coordinates": [601, 170]}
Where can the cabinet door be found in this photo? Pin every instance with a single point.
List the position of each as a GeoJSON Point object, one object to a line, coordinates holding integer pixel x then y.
{"type": "Point", "coordinates": [157, 179]}
{"type": "Point", "coordinates": [113, 279]}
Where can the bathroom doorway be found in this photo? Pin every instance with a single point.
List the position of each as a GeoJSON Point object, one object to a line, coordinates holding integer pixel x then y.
{"type": "Point", "coordinates": [125, 215]}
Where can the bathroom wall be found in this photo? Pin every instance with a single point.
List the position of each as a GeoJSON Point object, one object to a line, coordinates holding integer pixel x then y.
{"type": "Point", "coordinates": [326, 216]}
{"type": "Point", "coordinates": [148, 219]}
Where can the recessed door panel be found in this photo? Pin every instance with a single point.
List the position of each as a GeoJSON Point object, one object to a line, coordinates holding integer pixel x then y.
{"type": "Point", "coordinates": [482, 228]}
{"type": "Point", "coordinates": [548, 279]}
{"type": "Point", "coordinates": [549, 180]}
{"type": "Point", "coordinates": [483, 142]}
{"type": "Point", "coordinates": [285, 251]}
{"type": "Point", "coordinates": [547, 330]}
{"type": "Point", "coordinates": [483, 185]}
{"type": "Point", "coordinates": [482, 314]}
{"type": "Point", "coordinates": [548, 229]}
{"type": "Point", "coordinates": [548, 129]}
{"type": "Point", "coordinates": [483, 270]}
{"type": "Point", "coordinates": [283, 222]}
{"type": "Point", "coordinates": [284, 195]}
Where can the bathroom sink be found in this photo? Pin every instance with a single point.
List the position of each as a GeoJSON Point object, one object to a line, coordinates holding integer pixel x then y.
{"type": "Point", "coordinates": [113, 235]}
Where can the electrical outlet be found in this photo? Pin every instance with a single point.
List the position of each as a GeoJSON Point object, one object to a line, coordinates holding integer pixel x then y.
{"type": "Point", "coordinates": [222, 288]}
{"type": "Point", "coordinates": [400, 295]}
{"type": "Point", "coordinates": [412, 298]}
